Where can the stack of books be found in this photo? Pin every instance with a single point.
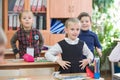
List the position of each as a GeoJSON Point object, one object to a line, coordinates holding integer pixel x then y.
{"type": "Point", "coordinates": [38, 5]}
{"type": "Point", "coordinates": [13, 22]}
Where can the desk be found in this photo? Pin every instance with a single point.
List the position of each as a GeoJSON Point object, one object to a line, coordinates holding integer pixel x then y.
{"type": "Point", "coordinates": [10, 55]}
{"type": "Point", "coordinates": [21, 64]}
{"type": "Point", "coordinates": [47, 77]}
{"type": "Point", "coordinates": [82, 74]}
{"type": "Point", "coordinates": [43, 77]}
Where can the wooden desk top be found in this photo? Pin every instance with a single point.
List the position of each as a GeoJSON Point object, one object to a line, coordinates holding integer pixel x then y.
{"type": "Point", "coordinates": [9, 51]}
{"type": "Point", "coordinates": [43, 77]}
{"type": "Point", "coordinates": [46, 77]}
{"type": "Point", "coordinates": [81, 74]}
{"type": "Point", "coordinates": [10, 55]}
{"type": "Point", "coordinates": [20, 63]}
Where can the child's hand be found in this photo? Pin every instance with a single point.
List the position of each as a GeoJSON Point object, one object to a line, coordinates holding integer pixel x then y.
{"type": "Point", "coordinates": [100, 54]}
{"type": "Point", "coordinates": [84, 62]}
{"type": "Point", "coordinates": [17, 56]}
{"type": "Point", "coordinates": [63, 64]}
{"type": "Point", "coordinates": [99, 51]}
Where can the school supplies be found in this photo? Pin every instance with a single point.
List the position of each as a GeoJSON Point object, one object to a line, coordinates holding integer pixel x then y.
{"type": "Point", "coordinates": [41, 59]}
{"type": "Point", "coordinates": [72, 77]}
{"type": "Point", "coordinates": [89, 71]}
{"type": "Point", "coordinates": [28, 58]}
{"type": "Point", "coordinates": [96, 68]}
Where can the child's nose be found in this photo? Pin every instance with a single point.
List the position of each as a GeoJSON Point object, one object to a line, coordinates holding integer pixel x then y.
{"type": "Point", "coordinates": [84, 22]}
{"type": "Point", "coordinates": [26, 19]}
{"type": "Point", "coordinates": [76, 31]}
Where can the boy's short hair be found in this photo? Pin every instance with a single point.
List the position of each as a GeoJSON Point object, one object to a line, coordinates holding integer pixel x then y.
{"type": "Point", "coordinates": [3, 39]}
{"type": "Point", "coordinates": [83, 14]}
{"type": "Point", "coordinates": [71, 20]}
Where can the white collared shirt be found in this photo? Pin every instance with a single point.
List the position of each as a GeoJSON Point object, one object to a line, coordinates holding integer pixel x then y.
{"type": "Point", "coordinates": [56, 49]}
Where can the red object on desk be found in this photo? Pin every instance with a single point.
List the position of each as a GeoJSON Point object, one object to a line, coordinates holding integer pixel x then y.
{"type": "Point", "coordinates": [28, 58]}
{"type": "Point", "coordinates": [89, 72]}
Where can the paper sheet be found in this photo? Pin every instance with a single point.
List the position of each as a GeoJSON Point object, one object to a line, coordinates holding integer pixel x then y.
{"type": "Point", "coordinates": [115, 54]}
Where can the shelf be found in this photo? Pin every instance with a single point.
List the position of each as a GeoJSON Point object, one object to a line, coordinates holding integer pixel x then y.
{"type": "Point", "coordinates": [54, 9]}
{"type": "Point", "coordinates": [12, 12]}
{"type": "Point", "coordinates": [40, 12]}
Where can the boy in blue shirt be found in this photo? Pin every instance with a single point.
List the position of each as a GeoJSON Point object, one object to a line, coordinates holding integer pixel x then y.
{"type": "Point", "coordinates": [88, 36]}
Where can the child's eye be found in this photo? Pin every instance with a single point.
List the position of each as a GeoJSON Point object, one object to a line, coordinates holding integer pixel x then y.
{"type": "Point", "coordinates": [78, 29]}
{"type": "Point", "coordinates": [29, 17]}
{"type": "Point", "coordinates": [72, 29]}
{"type": "Point", "coordinates": [1, 53]}
{"type": "Point", "coordinates": [81, 21]}
{"type": "Point", "coordinates": [24, 18]}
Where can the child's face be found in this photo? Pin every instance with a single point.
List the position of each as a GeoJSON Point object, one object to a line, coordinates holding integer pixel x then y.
{"type": "Point", "coordinates": [73, 30]}
{"type": "Point", "coordinates": [27, 20]}
{"type": "Point", "coordinates": [85, 23]}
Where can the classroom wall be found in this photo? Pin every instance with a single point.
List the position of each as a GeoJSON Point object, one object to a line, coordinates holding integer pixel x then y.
{"type": "Point", "coordinates": [0, 12]}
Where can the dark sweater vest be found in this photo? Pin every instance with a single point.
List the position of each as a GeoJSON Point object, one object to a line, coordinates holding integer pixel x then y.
{"type": "Point", "coordinates": [24, 42]}
{"type": "Point", "coordinates": [73, 54]}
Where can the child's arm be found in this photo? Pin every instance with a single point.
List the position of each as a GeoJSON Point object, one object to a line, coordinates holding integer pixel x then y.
{"type": "Point", "coordinates": [59, 55]}
{"type": "Point", "coordinates": [41, 40]}
{"type": "Point", "coordinates": [98, 46]}
{"type": "Point", "coordinates": [89, 56]}
{"type": "Point", "coordinates": [99, 51]}
{"type": "Point", "coordinates": [53, 54]}
{"type": "Point", "coordinates": [13, 43]}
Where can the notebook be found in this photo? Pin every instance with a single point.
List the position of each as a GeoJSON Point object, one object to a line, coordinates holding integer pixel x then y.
{"type": "Point", "coordinates": [74, 78]}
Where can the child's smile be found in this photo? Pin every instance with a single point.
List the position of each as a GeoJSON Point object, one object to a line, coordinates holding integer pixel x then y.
{"type": "Point", "coordinates": [73, 31]}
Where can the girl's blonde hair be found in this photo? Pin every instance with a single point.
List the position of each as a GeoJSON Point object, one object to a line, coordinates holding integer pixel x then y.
{"type": "Point", "coordinates": [25, 11]}
{"type": "Point", "coordinates": [21, 13]}
{"type": "Point", "coordinates": [3, 39]}
{"type": "Point", "coordinates": [70, 22]}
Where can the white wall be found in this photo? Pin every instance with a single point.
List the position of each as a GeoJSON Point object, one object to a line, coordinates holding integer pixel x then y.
{"type": "Point", "coordinates": [0, 13]}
